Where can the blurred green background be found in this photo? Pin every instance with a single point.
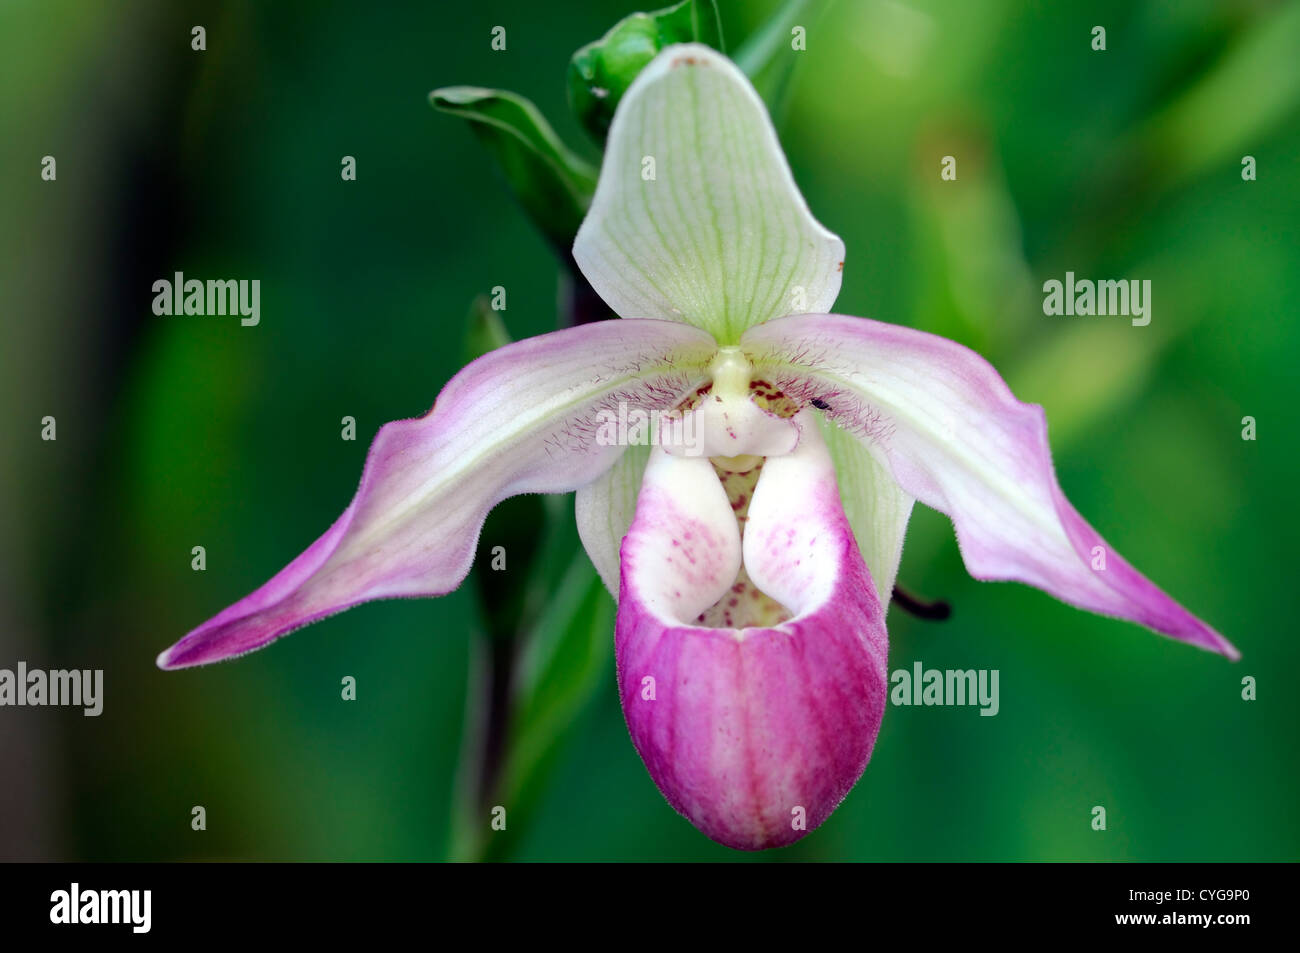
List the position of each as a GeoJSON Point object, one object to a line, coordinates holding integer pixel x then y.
{"type": "Point", "coordinates": [182, 431]}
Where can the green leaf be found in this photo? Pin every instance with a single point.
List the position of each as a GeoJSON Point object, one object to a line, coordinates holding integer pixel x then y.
{"type": "Point", "coordinates": [600, 72]}
{"type": "Point", "coordinates": [565, 660]}
{"type": "Point", "coordinates": [552, 183]}
{"type": "Point", "coordinates": [562, 664]}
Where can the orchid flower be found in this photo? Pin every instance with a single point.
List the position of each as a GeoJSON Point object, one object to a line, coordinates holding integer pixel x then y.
{"type": "Point", "coordinates": [753, 565]}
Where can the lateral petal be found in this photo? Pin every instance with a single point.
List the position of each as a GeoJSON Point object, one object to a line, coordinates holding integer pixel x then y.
{"type": "Point", "coordinates": [521, 419]}
{"type": "Point", "coordinates": [957, 439]}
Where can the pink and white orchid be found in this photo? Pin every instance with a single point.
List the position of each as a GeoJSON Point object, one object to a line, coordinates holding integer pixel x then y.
{"type": "Point", "coordinates": [752, 569]}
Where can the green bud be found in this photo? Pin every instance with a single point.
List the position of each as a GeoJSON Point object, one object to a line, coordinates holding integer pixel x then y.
{"type": "Point", "coordinates": [553, 185]}
{"type": "Point", "coordinates": [600, 72]}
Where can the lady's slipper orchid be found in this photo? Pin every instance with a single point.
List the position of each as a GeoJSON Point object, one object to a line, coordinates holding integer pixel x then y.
{"type": "Point", "coordinates": [752, 565]}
